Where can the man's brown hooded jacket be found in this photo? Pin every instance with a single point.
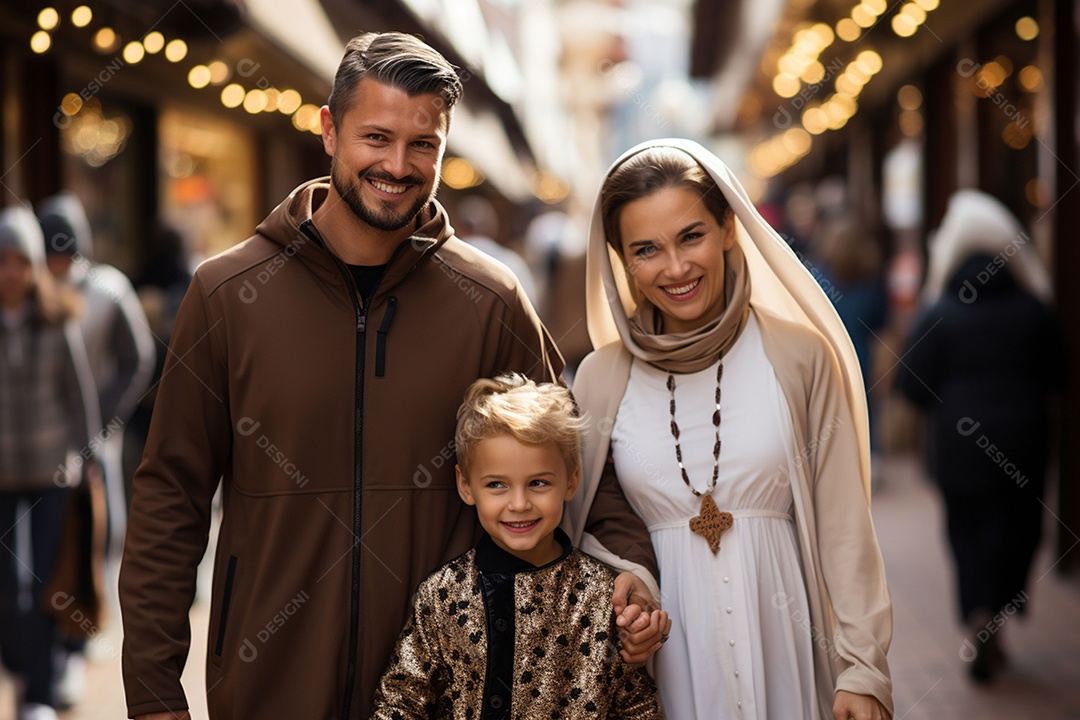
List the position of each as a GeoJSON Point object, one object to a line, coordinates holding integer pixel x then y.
{"type": "Point", "coordinates": [329, 425]}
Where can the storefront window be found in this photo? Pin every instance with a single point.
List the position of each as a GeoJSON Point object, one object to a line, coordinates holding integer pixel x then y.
{"type": "Point", "coordinates": [101, 167]}
{"type": "Point", "coordinates": [207, 181]}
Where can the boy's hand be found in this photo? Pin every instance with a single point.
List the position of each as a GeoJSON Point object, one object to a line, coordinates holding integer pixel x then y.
{"type": "Point", "coordinates": [643, 626]}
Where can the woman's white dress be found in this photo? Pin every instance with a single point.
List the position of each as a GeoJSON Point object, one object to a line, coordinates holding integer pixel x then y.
{"type": "Point", "coordinates": [741, 638]}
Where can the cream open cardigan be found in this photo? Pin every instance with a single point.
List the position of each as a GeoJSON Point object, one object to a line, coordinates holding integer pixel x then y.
{"type": "Point", "coordinates": [816, 365]}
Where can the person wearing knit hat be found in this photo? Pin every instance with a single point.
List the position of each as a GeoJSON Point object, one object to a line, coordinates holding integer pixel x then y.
{"type": "Point", "coordinates": [48, 414]}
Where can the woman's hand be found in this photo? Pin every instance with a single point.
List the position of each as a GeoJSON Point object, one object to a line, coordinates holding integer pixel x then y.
{"type": "Point", "coordinates": [849, 706]}
{"type": "Point", "coordinates": [643, 626]}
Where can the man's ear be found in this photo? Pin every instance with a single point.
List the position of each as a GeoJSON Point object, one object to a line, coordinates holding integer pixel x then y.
{"type": "Point", "coordinates": [329, 130]}
{"type": "Point", "coordinates": [463, 488]}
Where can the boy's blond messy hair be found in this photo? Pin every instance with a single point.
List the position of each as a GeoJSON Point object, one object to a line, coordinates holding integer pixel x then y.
{"type": "Point", "coordinates": [514, 405]}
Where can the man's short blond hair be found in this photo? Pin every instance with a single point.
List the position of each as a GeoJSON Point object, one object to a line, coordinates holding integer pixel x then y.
{"type": "Point", "coordinates": [533, 413]}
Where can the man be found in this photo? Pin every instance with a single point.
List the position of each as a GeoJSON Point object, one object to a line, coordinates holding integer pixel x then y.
{"type": "Point", "coordinates": [317, 368]}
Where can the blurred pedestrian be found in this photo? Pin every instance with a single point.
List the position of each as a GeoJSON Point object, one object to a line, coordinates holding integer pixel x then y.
{"type": "Point", "coordinates": [845, 258]}
{"type": "Point", "coordinates": [479, 225]}
{"type": "Point", "coordinates": [728, 410]}
{"type": "Point", "coordinates": [121, 353]}
{"type": "Point", "coordinates": [984, 360]}
{"type": "Point", "coordinates": [48, 414]}
{"type": "Point", "coordinates": [160, 286]}
{"type": "Point", "coordinates": [118, 339]}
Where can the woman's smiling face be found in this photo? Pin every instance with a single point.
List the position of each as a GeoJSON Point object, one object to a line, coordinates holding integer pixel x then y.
{"type": "Point", "coordinates": [673, 247]}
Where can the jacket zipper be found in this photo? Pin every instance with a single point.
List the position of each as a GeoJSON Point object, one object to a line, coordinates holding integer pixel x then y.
{"type": "Point", "coordinates": [308, 228]}
{"type": "Point", "coordinates": [358, 477]}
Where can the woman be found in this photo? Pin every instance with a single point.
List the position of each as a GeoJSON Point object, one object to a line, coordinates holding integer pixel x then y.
{"type": "Point", "coordinates": [984, 359]}
{"type": "Point", "coordinates": [48, 411]}
{"type": "Point", "coordinates": [727, 400]}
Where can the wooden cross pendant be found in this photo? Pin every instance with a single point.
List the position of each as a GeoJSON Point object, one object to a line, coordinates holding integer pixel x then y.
{"type": "Point", "coordinates": [711, 523]}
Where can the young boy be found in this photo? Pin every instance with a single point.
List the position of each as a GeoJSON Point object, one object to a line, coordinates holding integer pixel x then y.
{"type": "Point", "coordinates": [522, 625]}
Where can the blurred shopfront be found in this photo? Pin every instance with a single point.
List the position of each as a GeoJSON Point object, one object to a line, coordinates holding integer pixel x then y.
{"type": "Point", "coordinates": [905, 103]}
{"type": "Point", "coordinates": [154, 113]}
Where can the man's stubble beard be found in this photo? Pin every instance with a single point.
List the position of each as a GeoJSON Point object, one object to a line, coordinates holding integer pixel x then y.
{"type": "Point", "coordinates": [382, 218]}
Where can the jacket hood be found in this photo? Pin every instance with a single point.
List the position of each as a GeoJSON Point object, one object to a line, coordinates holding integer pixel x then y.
{"type": "Point", "coordinates": [977, 224]}
{"type": "Point", "coordinates": [980, 271]}
{"type": "Point", "coordinates": [284, 224]}
{"type": "Point", "coordinates": [65, 225]}
{"type": "Point", "coordinates": [19, 230]}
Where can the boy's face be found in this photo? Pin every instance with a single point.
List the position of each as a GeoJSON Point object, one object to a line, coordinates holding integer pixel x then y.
{"type": "Point", "coordinates": [519, 490]}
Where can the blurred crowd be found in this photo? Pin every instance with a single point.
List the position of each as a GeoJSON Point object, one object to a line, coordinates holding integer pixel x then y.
{"type": "Point", "coordinates": [82, 347]}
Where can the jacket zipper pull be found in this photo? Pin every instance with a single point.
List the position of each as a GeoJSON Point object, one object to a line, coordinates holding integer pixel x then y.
{"type": "Point", "coordinates": [380, 339]}
{"type": "Point", "coordinates": [361, 322]}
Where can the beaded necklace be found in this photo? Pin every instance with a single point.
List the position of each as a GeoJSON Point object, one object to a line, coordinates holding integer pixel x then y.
{"type": "Point", "coordinates": [711, 523]}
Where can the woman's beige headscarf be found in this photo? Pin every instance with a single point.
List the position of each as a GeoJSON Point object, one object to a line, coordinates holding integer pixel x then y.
{"type": "Point", "coordinates": [975, 223]}
{"type": "Point", "coordinates": [779, 283]}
